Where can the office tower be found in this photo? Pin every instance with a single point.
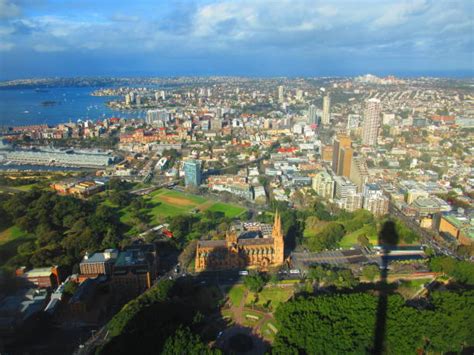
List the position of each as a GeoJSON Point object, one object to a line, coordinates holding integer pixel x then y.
{"type": "Point", "coordinates": [326, 110]}
{"type": "Point", "coordinates": [326, 153]}
{"type": "Point", "coordinates": [344, 162]}
{"type": "Point", "coordinates": [312, 115]}
{"type": "Point", "coordinates": [163, 94]}
{"type": "Point", "coordinates": [138, 100]}
{"type": "Point", "coordinates": [128, 99]}
{"type": "Point", "coordinates": [359, 172]}
{"type": "Point", "coordinates": [157, 96]}
{"type": "Point", "coordinates": [280, 93]}
{"type": "Point", "coordinates": [370, 128]}
{"type": "Point", "coordinates": [192, 173]}
{"type": "Point", "coordinates": [342, 155]}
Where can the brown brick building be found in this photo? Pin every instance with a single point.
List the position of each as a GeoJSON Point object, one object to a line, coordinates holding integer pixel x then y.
{"type": "Point", "coordinates": [241, 251]}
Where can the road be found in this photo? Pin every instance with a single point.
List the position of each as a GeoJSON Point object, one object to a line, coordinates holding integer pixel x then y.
{"type": "Point", "coordinates": [426, 237]}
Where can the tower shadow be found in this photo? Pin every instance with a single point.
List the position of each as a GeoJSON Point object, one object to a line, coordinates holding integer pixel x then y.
{"type": "Point", "coordinates": [388, 239]}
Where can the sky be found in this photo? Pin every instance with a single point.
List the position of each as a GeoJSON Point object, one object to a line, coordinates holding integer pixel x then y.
{"type": "Point", "coordinates": [43, 38]}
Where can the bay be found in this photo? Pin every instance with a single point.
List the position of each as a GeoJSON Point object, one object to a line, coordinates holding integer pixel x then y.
{"type": "Point", "coordinates": [19, 107]}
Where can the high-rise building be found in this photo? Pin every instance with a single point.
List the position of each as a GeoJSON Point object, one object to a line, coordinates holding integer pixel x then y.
{"type": "Point", "coordinates": [359, 172]}
{"type": "Point", "coordinates": [344, 187]}
{"type": "Point", "coordinates": [192, 173]}
{"type": "Point", "coordinates": [312, 115]}
{"type": "Point", "coordinates": [350, 203]}
{"type": "Point", "coordinates": [299, 94]}
{"type": "Point", "coordinates": [280, 93]}
{"type": "Point", "coordinates": [371, 125]}
{"type": "Point", "coordinates": [323, 184]}
{"type": "Point", "coordinates": [138, 100]}
{"type": "Point", "coordinates": [342, 155]}
{"type": "Point", "coordinates": [345, 161]}
{"type": "Point", "coordinates": [326, 110]}
{"type": "Point", "coordinates": [157, 117]}
{"type": "Point", "coordinates": [326, 153]}
{"type": "Point", "coordinates": [374, 200]}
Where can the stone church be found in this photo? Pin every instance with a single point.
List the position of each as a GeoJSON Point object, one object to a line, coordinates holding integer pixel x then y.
{"type": "Point", "coordinates": [254, 245]}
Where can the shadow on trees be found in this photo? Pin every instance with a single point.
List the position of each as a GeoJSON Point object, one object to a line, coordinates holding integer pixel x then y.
{"type": "Point", "coordinates": [193, 302]}
{"type": "Point", "coordinates": [388, 238]}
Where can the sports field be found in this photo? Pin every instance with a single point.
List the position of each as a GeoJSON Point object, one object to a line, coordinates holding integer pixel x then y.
{"type": "Point", "coordinates": [171, 203]}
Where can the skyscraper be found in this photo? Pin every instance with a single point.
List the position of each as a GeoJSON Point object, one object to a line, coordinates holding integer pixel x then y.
{"type": "Point", "coordinates": [371, 125]}
{"type": "Point", "coordinates": [192, 173]}
{"type": "Point", "coordinates": [312, 114]}
{"type": "Point", "coordinates": [280, 93]}
{"type": "Point", "coordinates": [326, 110]}
{"type": "Point", "coordinates": [342, 155]}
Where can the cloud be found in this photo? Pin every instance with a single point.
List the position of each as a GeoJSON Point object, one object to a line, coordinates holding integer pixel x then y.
{"type": "Point", "coordinates": [399, 13]}
{"type": "Point", "coordinates": [9, 9]}
{"type": "Point", "coordinates": [279, 31]}
{"type": "Point", "coordinates": [124, 18]}
{"type": "Point", "coordinates": [6, 46]}
{"type": "Point", "coordinates": [48, 48]}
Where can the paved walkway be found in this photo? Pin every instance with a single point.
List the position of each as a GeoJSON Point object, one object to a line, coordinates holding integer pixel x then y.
{"type": "Point", "coordinates": [239, 318]}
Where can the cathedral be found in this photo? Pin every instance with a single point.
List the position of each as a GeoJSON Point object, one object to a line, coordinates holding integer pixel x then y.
{"type": "Point", "coordinates": [254, 245]}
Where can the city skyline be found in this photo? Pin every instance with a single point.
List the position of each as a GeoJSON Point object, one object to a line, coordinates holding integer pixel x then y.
{"type": "Point", "coordinates": [253, 38]}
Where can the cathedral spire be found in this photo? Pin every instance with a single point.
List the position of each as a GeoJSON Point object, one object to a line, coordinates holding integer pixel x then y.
{"type": "Point", "coordinates": [277, 230]}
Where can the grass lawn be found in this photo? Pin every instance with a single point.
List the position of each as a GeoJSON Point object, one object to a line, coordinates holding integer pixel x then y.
{"type": "Point", "coordinates": [230, 211]}
{"type": "Point", "coordinates": [236, 294]}
{"type": "Point", "coordinates": [268, 330]}
{"type": "Point", "coordinates": [350, 239]}
{"type": "Point", "coordinates": [166, 203]}
{"type": "Point", "coordinates": [10, 239]}
{"type": "Point", "coordinates": [409, 288]}
{"type": "Point", "coordinates": [26, 187]}
{"type": "Point", "coordinates": [270, 296]}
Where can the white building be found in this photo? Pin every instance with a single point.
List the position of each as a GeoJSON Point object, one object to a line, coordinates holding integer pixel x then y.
{"type": "Point", "coordinates": [326, 110]}
{"type": "Point", "coordinates": [371, 125]}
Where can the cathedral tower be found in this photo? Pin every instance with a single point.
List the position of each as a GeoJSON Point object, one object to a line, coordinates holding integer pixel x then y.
{"type": "Point", "coordinates": [278, 240]}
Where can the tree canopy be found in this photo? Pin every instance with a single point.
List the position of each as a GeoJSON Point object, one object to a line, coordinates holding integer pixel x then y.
{"type": "Point", "coordinates": [345, 323]}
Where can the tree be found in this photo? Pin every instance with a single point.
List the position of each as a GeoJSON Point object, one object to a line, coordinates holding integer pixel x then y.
{"type": "Point", "coordinates": [70, 288]}
{"type": "Point", "coordinates": [345, 323]}
{"type": "Point", "coordinates": [188, 253]}
{"type": "Point", "coordinates": [254, 282]}
{"type": "Point", "coordinates": [327, 238]}
{"type": "Point", "coordinates": [370, 272]}
{"type": "Point", "coordinates": [184, 342]}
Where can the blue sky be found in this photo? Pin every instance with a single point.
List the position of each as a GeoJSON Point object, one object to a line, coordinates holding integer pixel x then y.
{"type": "Point", "coordinates": [250, 37]}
